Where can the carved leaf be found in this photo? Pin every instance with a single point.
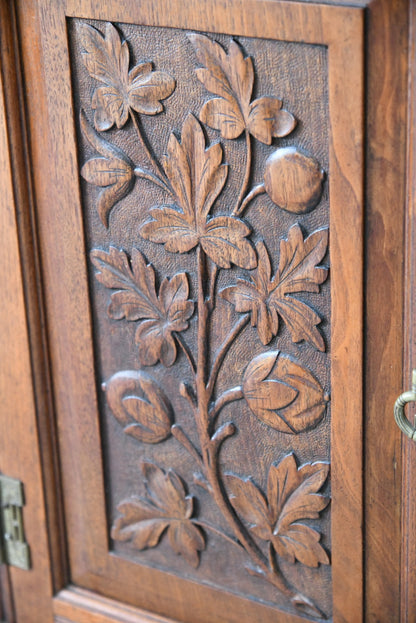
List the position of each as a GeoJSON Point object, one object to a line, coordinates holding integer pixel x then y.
{"type": "Point", "coordinates": [267, 299]}
{"type": "Point", "coordinates": [107, 60]}
{"type": "Point", "coordinates": [292, 496]}
{"type": "Point", "coordinates": [143, 520]}
{"type": "Point", "coordinates": [140, 405]}
{"type": "Point", "coordinates": [267, 119]}
{"type": "Point", "coordinates": [250, 503]}
{"type": "Point", "coordinates": [197, 178]}
{"type": "Point", "coordinates": [231, 77]}
{"type": "Point", "coordinates": [114, 172]}
{"type": "Point", "coordinates": [283, 394]}
{"type": "Point", "coordinates": [136, 299]}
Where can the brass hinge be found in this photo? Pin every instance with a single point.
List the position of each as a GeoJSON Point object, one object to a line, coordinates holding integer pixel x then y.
{"type": "Point", "coordinates": [13, 548]}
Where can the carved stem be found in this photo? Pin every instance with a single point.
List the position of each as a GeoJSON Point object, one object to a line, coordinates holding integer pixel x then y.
{"type": "Point", "coordinates": [254, 192]}
{"type": "Point", "coordinates": [186, 351]}
{"type": "Point", "coordinates": [150, 177]}
{"type": "Point", "coordinates": [183, 439]}
{"type": "Point", "coordinates": [231, 395]}
{"type": "Point", "coordinates": [209, 526]}
{"type": "Point", "coordinates": [212, 282]}
{"type": "Point", "coordinates": [246, 175]}
{"type": "Point", "coordinates": [223, 350]}
{"type": "Point", "coordinates": [210, 447]}
{"type": "Point", "coordinates": [155, 164]}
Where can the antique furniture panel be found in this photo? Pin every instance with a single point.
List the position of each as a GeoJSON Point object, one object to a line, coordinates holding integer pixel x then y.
{"type": "Point", "coordinates": [201, 355]}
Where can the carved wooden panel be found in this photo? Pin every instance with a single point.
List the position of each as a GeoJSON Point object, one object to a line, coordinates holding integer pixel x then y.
{"type": "Point", "coordinates": [205, 161]}
{"type": "Point", "coordinates": [202, 254]}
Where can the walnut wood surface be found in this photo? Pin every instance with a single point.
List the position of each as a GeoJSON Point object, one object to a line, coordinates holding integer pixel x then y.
{"type": "Point", "coordinates": [386, 32]}
{"type": "Point", "coordinates": [386, 161]}
{"type": "Point", "coordinates": [19, 450]}
{"type": "Point", "coordinates": [408, 560]}
{"type": "Point", "coordinates": [81, 407]}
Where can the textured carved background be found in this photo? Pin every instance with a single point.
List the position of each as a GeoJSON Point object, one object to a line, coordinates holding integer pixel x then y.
{"type": "Point", "coordinates": [296, 74]}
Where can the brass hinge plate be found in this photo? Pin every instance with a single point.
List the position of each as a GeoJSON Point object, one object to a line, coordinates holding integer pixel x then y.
{"type": "Point", "coordinates": [14, 550]}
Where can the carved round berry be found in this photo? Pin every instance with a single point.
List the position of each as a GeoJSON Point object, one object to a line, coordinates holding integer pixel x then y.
{"type": "Point", "coordinates": [293, 180]}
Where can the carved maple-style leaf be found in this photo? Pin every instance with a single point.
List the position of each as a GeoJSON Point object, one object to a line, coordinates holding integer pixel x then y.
{"type": "Point", "coordinates": [166, 507]}
{"type": "Point", "coordinates": [161, 314]}
{"type": "Point", "coordinates": [292, 496]}
{"type": "Point", "coordinates": [107, 60]}
{"type": "Point", "coordinates": [114, 172]}
{"type": "Point", "coordinates": [283, 393]}
{"type": "Point", "coordinates": [231, 77]}
{"type": "Point", "coordinates": [268, 298]}
{"type": "Point", "coordinates": [140, 405]}
{"type": "Point", "coordinates": [197, 178]}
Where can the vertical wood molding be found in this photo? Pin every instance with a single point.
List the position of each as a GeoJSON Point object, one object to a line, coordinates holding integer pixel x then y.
{"type": "Point", "coordinates": [19, 450]}
{"type": "Point", "coordinates": [408, 562]}
{"type": "Point", "coordinates": [387, 43]}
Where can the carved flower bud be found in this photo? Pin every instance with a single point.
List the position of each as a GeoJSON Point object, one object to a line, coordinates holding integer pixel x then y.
{"type": "Point", "coordinates": [293, 180]}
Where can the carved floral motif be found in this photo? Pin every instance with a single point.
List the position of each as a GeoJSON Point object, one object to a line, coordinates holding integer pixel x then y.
{"type": "Point", "coordinates": [278, 389]}
{"type": "Point", "coordinates": [268, 298]}
{"type": "Point", "coordinates": [166, 508]}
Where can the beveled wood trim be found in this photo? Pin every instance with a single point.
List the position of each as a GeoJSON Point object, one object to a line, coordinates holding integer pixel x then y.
{"type": "Point", "coordinates": [386, 114]}
{"type": "Point", "coordinates": [408, 562]}
{"type": "Point", "coordinates": [75, 605]}
{"type": "Point", "coordinates": [31, 591]}
{"type": "Point", "coordinates": [341, 29]}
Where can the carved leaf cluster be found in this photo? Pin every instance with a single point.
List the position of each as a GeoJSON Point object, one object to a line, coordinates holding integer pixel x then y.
{"type": "Point", "coordinates": [138, 402]}
{"type": "Point", "coordinates": [166, 508]}
{"type": "Point", "coordinates": [140, 89]}
{"type": "Point", "coordinates": [292, 496]}
{"type": "Point", "coordinates": [267, 298]}
{"type": "Point", "coordinates": [231, 77]}
{"type": "Point", "coordinates": [161, 314]}
{"type": "Point", "coordinates": [114, 171]}
{"type": "Point", "coordinates": [197, 177]}
{"type": "Point", "coordinates": [283, 394]}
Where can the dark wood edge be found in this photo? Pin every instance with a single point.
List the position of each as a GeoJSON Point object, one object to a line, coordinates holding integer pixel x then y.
{"type": "Point", "coordinates": [33, 288]}
{"type": "Point", "coordinates": [386, 121]}
{"type": "Point", "coordinates": [408, 560]}
{"type": "Point", "coordinates": [31, 591]}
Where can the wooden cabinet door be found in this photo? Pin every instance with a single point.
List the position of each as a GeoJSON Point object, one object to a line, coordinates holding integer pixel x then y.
{"type": "Point", "coordinates": [199, 184]}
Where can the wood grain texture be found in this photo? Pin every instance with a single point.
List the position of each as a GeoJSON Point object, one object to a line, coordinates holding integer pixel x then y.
{"type": "Point", "coordinates": [296, 22]}
{"type": "Point", "coordinates": [408, 550]}
{"type": "Point", "coordinates": [32, 284]}
{"type": "Point", "coordinates": [19, 439]}
{"type": "Point", "coordinates": [387, 36]}
{"type": "Point", "coordinates": [75, 605]}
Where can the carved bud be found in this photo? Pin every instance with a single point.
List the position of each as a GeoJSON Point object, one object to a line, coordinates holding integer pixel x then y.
{"type": "Point", "coordinates": [283, 394]}
{"type": "Point", "coordinates": [140, 405]}
{"type": "Point", "coordinates": [293, 180]}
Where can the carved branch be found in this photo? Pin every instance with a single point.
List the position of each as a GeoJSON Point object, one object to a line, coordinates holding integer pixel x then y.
{"type": "Point", "coordinates": [183, 439]}
{"type": "Point", "coordinates": [254, 192]}
{"type": "Point", "coordinates": [223, 350]}
{"type": "Point", "coordinates": [246, 179]}
{"type": "Point", "coordinates": [209, 526]}
{"type": "Point", "coordinates": [160, 174]}
{"type": "Point", "coordinates": [186, 351]}
{"type": "Point", "coordinates": [229, 396]}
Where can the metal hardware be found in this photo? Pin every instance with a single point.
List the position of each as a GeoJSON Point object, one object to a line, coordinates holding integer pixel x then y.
{"type": "Point", "coordinates": [13, 548]}
{"type": "Point", "coordinates": [399, 415]}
